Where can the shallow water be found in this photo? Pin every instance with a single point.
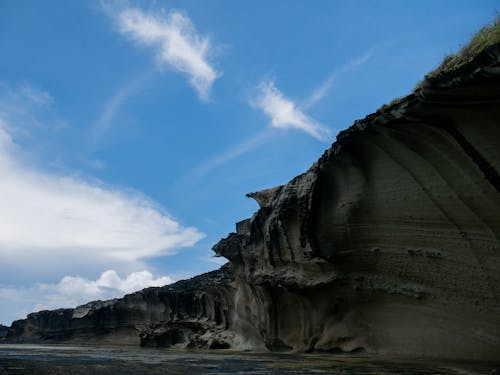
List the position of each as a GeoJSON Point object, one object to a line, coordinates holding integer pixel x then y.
{"type": "Point", "coordinates": [59, 359]}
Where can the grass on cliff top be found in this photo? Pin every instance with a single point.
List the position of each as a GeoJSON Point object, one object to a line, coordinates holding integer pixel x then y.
{"type": "Point", "coordinates": [487, 36]}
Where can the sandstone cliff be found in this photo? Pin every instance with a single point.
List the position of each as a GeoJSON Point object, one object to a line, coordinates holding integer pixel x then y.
{"type": "Point", "coordinates": [194, 313]}
{"type": "Point", "coordinates": [388, 244]}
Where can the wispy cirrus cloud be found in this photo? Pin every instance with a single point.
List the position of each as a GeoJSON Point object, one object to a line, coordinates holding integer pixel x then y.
{"type": "Point", "coordinates": [113, 106]}
{"type": "Point", "coordinates": [176, 42]}
{"type": "Point", "coordinates": [320, 91]}
{"type": "Point", "coordinates": [284, 113]}
{"type": "Point", "coordinates": [34, 94]}
{"type": "Point", "coordinates": [324, 87]}
{"type": "Point", "coordinates": [27, 104]}
{"type": "Point", "coordinates": [229, 154]}
{"type": "Point", "coordinates": [106, 117]}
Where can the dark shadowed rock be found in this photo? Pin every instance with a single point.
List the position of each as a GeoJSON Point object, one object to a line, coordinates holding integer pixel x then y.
{"type": "Point", "coordinates": [390, 242]}
{"type": "Point", "coordinates": [3, 331]}
{"type": "Point", "coordinates": [190, 313]}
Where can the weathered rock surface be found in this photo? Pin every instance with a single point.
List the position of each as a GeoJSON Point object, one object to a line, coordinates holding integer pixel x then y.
{"type": "Point", "coordinates": [388, 244]}
{"type": "Point", "coordinates": [3, 331]}
{"type": "Point", "coordinates": [190, 313]}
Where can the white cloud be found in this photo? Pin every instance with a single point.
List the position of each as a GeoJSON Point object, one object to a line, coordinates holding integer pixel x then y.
{"type": "Point", "coordinates": [72, 291]}
{"type": "Point", "coordinates": [54, 224]}
{"type": "Point", "coordinates": [47, 217]}
{"type": "Point", "coordinates": [284, 113]}
{"type": "Point", "coordinates": [176, 42]}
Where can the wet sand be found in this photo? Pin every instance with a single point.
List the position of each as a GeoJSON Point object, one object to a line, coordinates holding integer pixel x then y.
{"type": "Point", "coordinates": [59, 359]}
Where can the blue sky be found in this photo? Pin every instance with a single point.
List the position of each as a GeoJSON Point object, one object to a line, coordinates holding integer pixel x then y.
{"type": "Point", "coordinates": [130, 132]}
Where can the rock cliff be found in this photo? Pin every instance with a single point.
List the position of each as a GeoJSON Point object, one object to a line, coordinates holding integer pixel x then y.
{"type": "Point", "coordinates": [194, 313]}
{"type": "Point", "coordinates": [389, 244]}
{"type": "Point", "coordinates": [3, 331]}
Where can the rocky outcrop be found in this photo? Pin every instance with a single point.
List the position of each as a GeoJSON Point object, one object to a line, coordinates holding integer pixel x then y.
{"type": "Point", "coordinates": [3, 331]}
{"type": "Point", "coordinates": [389, 244]}
{"type": "Point", "coordinates": [187, 314]}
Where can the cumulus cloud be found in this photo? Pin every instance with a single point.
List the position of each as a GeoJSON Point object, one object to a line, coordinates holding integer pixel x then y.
{"type": "Point", "coordinates": [284, 114]}
{"type": "Point", "coordinates": [176, 42]}
{"type": "Point", "coordinates": [72, 291]}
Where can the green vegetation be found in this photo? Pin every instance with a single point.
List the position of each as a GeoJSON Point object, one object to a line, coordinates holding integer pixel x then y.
{"type": "Point", "coordinates": [487, 36]}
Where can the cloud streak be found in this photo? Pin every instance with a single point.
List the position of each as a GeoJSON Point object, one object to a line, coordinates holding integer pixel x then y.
{"type": "Point", "coordinates": [29, 105]}
{"type": "Point", "coordinates": [176, 42]}
{"type": "Point", "coordinates": [321, 90]}
{"type": "Point", "coordinates": [112, 107]}
{"type": "Point", "coordinates": [284, 113]}
{"type": "Point", "coordinates": [230, 154]}
{"type": "Point", "coordinates": [103, 123]}
{"type": "Point", "coordinates": [34, 95]}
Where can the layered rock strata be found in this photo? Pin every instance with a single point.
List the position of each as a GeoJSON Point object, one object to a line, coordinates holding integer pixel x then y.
{"type": "Point", "coordinates": [194, 313]}
{"type": "Point", "coordinates": [389, 244]}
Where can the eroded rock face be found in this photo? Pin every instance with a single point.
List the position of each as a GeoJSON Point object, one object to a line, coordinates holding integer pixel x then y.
{"type": "Point", "coordinates": [190, 313]}
{"type": "Point", "coordinates": [388, 244]}
{"type": "Point", "coordinates": [3, 331]}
